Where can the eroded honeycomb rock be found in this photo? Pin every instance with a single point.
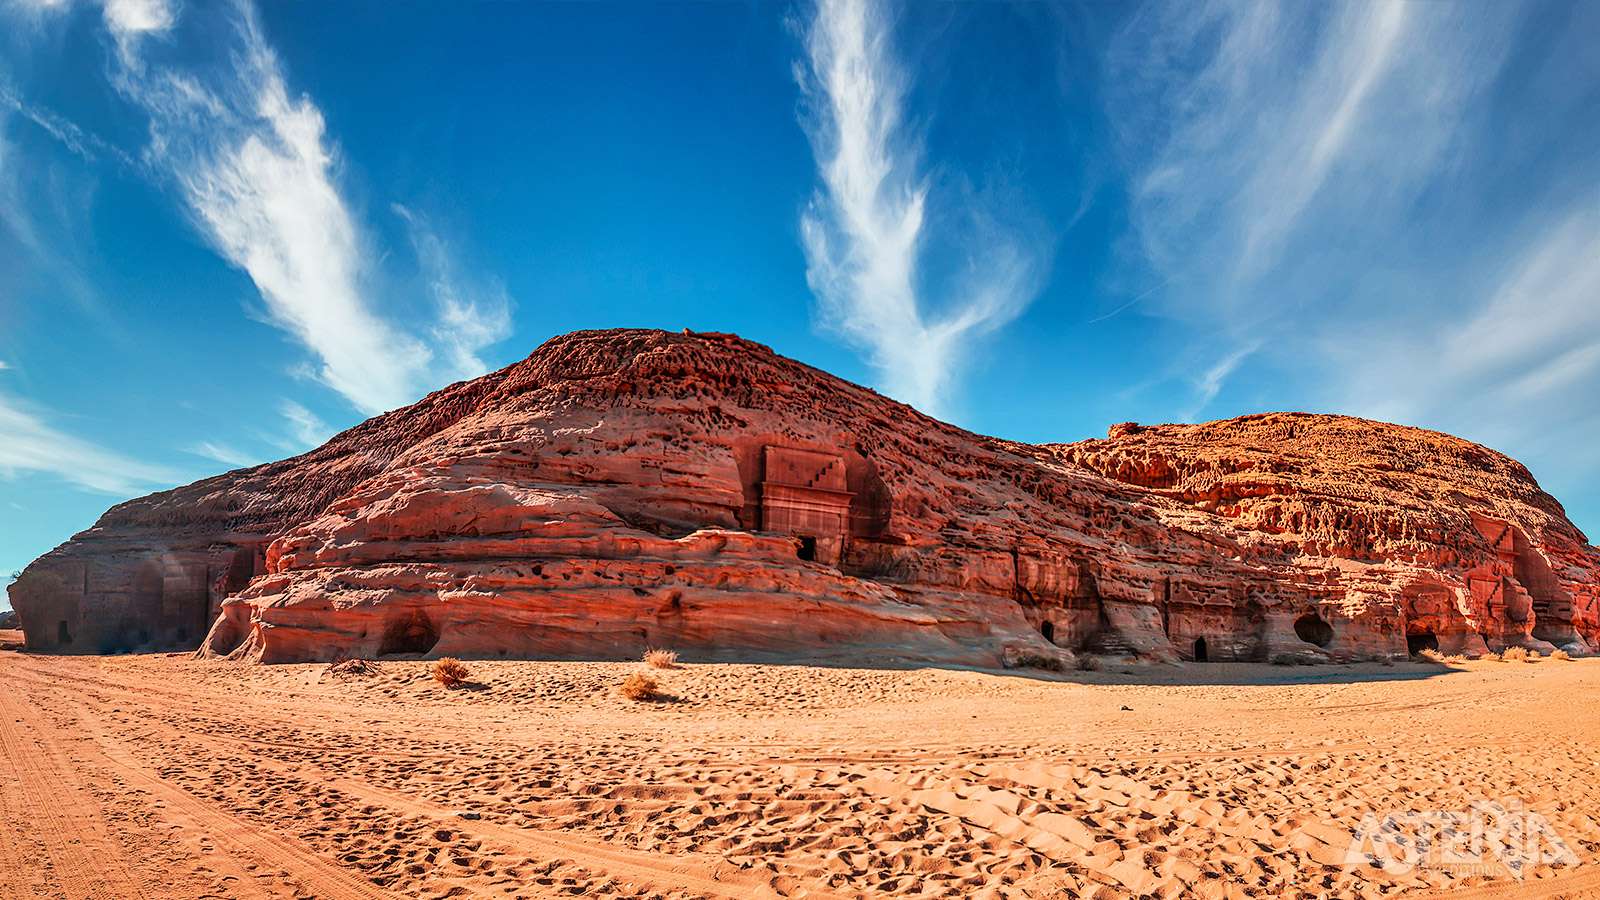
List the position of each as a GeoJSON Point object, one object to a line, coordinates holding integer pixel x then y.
{"type": "Point", "coordinates": [623, 489]}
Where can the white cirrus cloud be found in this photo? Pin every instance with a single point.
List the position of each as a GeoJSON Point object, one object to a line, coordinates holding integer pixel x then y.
{"type": "Point", "coordinates": [33, 446]}
{"type": "Point", "coordinates": [258, 175]}
{"type": "Point", "coordinates": [306, 430]}
{"type": "Point", "coordinates": [1259, 133]}
{"type": "Point", "coordinates": [224, 453]}
{"type": "Point", "coordinates": [129, 19]}
{"type": "Point", "coordinates": [866, 226]}
{"type": "Point", "coordinates": [1517, 369]}
{"type": "Point", "coordinates": [1285, 162]}
{"type": "Point", "coordinates": [1391, 202]}
{"type": "Point", "coordinates": [471, 315]}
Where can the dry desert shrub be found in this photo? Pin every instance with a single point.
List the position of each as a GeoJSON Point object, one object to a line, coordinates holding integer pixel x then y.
{"type": "Point", "coordinates": [1455, 659]}
{"type": "Point", "coordinates": [449, 672]}
{"type": "Point", "coordinates": [1491, 656]}
{"type": "Point", "coordinates": [1088, 663]}
{"type": "Point", "coordinates": [345, 667]}
{"type": "Point", "coordinates": [1559, 654]}
{"type": "Point", "coordinates": [640, 687]}
{"type": "Point", "coordinates": [1035, 661]}
{"type": "Point", "coordinates": [657, 658]}
{"type": "Point", "coordinates": [1515, 654]}
{"type": "Point", "coordinates": [1431, 655]}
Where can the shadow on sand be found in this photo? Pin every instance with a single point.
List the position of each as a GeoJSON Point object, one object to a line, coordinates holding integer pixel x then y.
{"type": "Point", "coordinates": [1233, 673]}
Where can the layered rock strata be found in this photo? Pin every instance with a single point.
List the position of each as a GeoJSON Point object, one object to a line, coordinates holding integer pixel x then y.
{"type": "Point", "coordinates": [623, 489]}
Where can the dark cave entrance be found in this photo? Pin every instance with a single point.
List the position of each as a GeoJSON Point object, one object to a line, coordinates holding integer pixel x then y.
{"type": "Point", "coordinates": [1200, 654]}
{"type": "Point", "coordinates": [1048, 629]}
{"type": "Point", "coordinates": [1313, 629]}
{"type": "Point", "coordinates": [415, 633]}
{"type": "Point", "coordinates": [808, 548]}
{"type": "Point", "coordinates": [63, 636]}
{"type": "Point", "coordinates": [1416, 643]}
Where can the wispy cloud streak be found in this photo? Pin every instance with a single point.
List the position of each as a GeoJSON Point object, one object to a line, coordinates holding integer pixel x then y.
{"type": "Point", "coordinates": [257, 172]}
{"type": "Point", "coordinates": [255, 169]}
{"type": "Point", "coordinates": [1526, 354]}
{"type": "Point", "coordinates": [1255, 133]}
{"type": "Point", "coordinates": [1388, 201]}
{"type": "Point", "coordinates": [471, 316]}
{"type": "Point", "coordinates": [1277, 155]}
{"type": "Point", "coordinates": [33, 446]}
{"type": "Point", "coordinates": [305, 429]}
{"type": "Point", "coordinates": [67, 133]}
{"type": "Point", "coordinates": [224, 453]}
{"type": "Point", "coordinates": [866, 225]}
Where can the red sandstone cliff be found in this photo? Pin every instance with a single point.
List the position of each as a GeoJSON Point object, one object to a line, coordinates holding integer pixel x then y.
{"type": "Point", "coordinates": [625, 488]}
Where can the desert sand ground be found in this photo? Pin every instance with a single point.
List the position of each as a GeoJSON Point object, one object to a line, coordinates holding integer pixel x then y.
{"type": "Point", "coordinates": [165, 777]}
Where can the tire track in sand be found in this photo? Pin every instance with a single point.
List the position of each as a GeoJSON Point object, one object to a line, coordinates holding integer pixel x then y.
{"type": "Point", "coordinates": [82, 859]}
{"type": "Point", "coordinates": [704, 874]}
{"type": "Point", "coordinates": [239, 838]}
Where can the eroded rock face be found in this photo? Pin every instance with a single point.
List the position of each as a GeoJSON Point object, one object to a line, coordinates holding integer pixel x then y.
{"type": "Point", "coordinates": [1441, 541]}
{"type": "Point", "coordinates": [623, 489]}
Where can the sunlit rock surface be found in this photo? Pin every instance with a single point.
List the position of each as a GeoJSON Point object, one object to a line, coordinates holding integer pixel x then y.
{"type": "Point", "coordinates": [624, 489]}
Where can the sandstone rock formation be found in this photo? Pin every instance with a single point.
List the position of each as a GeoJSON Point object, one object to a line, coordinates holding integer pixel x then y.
{"type": "Point", "coordinates": [621, 489]}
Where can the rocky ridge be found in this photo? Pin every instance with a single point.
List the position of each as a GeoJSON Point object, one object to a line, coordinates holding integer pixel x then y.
{"type": "Point", "coordinates": [621, 489]}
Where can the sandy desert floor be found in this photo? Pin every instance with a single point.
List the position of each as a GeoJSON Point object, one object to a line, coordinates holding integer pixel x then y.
{"type": "Point", "coordinates": [163, 777]}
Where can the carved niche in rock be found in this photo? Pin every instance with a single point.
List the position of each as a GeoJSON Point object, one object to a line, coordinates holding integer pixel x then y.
{"type": "Point", "coordinates": [805, 494]}
{"type": "Point", "coordinates": [1519, 589]}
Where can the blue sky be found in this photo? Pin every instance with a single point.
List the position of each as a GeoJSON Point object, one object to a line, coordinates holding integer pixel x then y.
{"type": "Point", "coordinates": [228, 231]}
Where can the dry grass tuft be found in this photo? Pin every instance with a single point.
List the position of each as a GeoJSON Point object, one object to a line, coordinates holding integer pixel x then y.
{"type": "Point", "coordinates": [1491, 656]}
{"type": "Point", "coordinates": [449, 672]}
{"type": "Point", "coordinates": [1559, 654]}
{"type": "Point", "coordinates": [1088, 663]}
{"type": "Point", "coordinates": [657, 658]}
{"type": "Point", "coordinates": [1515, 654]}
{"type": "Point", "coordinates": [1431, 655]}
{"type": "Point", "coordinates": [1035, 661]}
{"type": "Point", "coordinates": [640, 687]}
{"type": "Point", "coordinates": [345, 667]}
{"type": "Point", "coordinates": [1455, 659]}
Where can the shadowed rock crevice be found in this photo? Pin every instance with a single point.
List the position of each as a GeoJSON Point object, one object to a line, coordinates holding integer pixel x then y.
{"type": "Point", "coordinates": [1313, 629]}
{"type": "Point", "coordinates": [414, 633]}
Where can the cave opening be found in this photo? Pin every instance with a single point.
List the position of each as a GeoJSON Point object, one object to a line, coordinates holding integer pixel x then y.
{"type": "Point", "coordinates": [415, 633]}
{"type": "Point", "coordinates": [1200, 654]}
{"type": "Point", "coordinates": [63, 636]}
{"type": "Point", "coordinates": [808, 548]}
{"type": "Point", "coordinates": [1313, 629]}
{"type": "Point", "coordinates": [1416, 643]}
{"type": "Point", "coordinates": [1048, 629]}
